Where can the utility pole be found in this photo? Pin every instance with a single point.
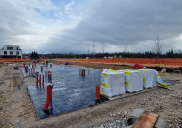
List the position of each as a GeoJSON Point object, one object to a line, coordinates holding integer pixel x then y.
{"type": "Point", "coordinates": [94, 51]}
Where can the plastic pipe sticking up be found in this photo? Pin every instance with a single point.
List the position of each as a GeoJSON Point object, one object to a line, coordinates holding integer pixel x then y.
{"type": "Point", "coordinates": [43, 80]}
{"type": "Point", "coordinates": [83, 72]}
{"type": "Point", "coordinates": [25, 69]}
{"type": "Point", "coordinates": [97, 94]}
{"type": "Point", "coordinates": [41, 68]}
{"type": "Point", "coordinates": [37, 81]}
{"type": "Point", "coordinates": [24, 65]}
{"type": "Point", "coordinates": [29, 64]}
{"type": "Point", "coordinates": [40, 80]}
{"type": "Point", "coordinates": [48, 97]}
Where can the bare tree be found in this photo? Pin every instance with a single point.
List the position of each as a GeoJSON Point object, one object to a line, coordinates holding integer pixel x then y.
{"type": "Point", "coordinates": [103, 49]}
{"type": "Point", "coordinates": [158, 46]}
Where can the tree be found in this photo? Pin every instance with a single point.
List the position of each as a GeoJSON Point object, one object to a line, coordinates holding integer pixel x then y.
{"type": "Point", "coordinates": [34, 55]}
{"type": "Point", "coordinates": [158, 47]}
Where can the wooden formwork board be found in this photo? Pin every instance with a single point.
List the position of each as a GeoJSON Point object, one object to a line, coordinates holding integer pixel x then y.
{"type": "Point", "coordinates": [147, 120]}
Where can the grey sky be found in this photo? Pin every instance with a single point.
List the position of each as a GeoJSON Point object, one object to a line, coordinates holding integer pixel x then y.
{"type": "Point", "coordinates": [45, 25]}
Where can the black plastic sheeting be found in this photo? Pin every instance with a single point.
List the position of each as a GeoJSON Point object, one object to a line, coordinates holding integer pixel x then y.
{"type": "Point", "coordinates": [168, 82]}
{"type": "Point", "coordinates": [71, 91]}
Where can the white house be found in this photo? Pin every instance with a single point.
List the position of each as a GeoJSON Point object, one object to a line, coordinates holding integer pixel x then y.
{"type": "Point", "coordinates": [11, 51]}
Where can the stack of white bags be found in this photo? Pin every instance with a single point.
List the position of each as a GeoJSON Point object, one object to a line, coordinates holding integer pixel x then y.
{"type": "Point", "coordinates": [112, 83]}
{"type": "Point", "coordinates": [117, 82]}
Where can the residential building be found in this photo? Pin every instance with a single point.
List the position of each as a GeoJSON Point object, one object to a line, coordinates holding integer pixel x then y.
{"type": "Point", "coordinates": [11, 51]}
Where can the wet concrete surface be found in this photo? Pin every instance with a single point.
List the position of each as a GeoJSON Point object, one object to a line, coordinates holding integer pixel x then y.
{"type": "Point", "coordinates": [71, 91]}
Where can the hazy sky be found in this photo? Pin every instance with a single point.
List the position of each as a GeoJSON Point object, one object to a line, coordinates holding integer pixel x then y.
{"type": "Point", "coordinates": [73, 25]}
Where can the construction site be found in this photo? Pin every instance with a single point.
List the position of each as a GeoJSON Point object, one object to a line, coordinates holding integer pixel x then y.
{"type": "Point", "coordinates": [94, 93]}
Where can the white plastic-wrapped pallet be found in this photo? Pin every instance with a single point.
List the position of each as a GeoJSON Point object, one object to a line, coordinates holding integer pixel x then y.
{"type": "Point", "coordinates": [154, 77]}
{"type": "Point", "coordinates": [133, 81]}
{"type": "Point", "coordinates": [112, 83]}
{"type": "Point", "coordinates": [148, 78]}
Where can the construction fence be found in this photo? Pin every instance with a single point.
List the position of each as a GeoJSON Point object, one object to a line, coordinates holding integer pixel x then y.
{"type": "Point", "coordinates": [13, 60]}
{"type": "Point", "coordinates": [151, 62]}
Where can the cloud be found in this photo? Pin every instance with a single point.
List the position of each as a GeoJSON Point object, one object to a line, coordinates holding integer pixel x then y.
{"type": "Point", "coordinates": [44, 25]}
{"type": "Point", "coordinates": [135, 24]}
{"type": "Point", "coordinates": [29, 23]}
{"type": "Point", "coordinates": [68, 6]}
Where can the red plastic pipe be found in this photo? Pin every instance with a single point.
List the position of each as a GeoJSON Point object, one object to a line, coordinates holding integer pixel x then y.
{"type": "Point", "coordinates": [97, 92]}
{"type": "Point", "coordinates": [40, 80]}
{"type": "Point", "coordinates": [43, 80]}
{"type": "Point", "coordinates": [41, 68]}
{"type": "Point", "coordinates": [48, 97]}
{"type": "Point", "coordinates": [29, 64]}
{"type": "Point", "coordinates": [84, 72]}
{"type": "Point", "coordinates": [37, 81]}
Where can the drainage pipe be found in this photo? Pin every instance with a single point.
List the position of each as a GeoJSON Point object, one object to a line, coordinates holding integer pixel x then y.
{"type": "Point", "coordinates": [160, 124]}
{"type": "Point", "coordinates": [134, 115]}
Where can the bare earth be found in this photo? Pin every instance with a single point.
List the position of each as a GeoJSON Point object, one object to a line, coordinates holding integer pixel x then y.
{"type": "Point", "coordinates": [17, 110]}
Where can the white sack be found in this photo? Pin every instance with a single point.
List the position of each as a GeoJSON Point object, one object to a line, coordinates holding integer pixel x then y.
{"type": "Point", "coordinates": [112, 83]}
{"type": "Point", "coordinates": [133, 81]}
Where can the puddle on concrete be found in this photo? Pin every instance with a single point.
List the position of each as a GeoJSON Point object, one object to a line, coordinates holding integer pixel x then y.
{"type": "Point", "coordinates": [71, 91]}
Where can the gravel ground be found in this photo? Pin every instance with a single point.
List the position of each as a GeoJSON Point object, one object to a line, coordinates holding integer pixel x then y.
{"type": "Point", "coordinates": [17, 110]}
